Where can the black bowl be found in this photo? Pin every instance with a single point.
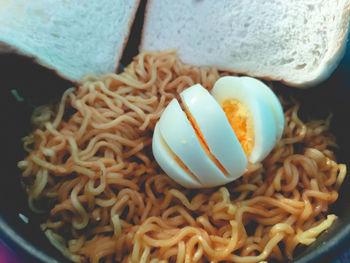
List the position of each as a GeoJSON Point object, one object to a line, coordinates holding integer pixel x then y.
{"type": "Point", "coordinates": [39, 86]}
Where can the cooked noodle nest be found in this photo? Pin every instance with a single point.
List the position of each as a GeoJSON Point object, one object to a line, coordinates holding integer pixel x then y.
{"type": "Point", "coordinates": [89, 165]}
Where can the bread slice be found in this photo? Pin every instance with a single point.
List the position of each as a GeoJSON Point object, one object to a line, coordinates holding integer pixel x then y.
{"type": "Point", "coordinates": [72, 37]}
{"type": "Point", "coordinates": [299, 42]}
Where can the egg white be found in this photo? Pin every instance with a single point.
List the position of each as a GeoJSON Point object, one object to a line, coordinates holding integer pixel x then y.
{"type": "Point", "coordinates": [180, 136]}
{"type": "Point", "coordinates": [216, 129]}
{"type": "Point", "coordinates": [272, 99]}
{"type": "Point", "coordinates": [260, 110]}
{"type": "Point", "coordinates": [164, 157]}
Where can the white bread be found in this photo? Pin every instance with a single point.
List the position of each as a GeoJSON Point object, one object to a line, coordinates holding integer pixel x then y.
{"type": "Point", "coordinates": [72, 37]}
{"type": "Point", "coordinates": [299, 42]}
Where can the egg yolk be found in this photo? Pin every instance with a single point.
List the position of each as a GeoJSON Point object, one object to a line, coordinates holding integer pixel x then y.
{"type": "Point", "coordinates": [241, 122]}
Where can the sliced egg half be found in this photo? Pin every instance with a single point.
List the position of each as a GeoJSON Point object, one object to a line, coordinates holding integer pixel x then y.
{"type": "Point", "coordinates": [182, 140]}
{"type": "Point", "coordinates": [210, 141]}
{"type": "Point", "coordinates": [254, 112]}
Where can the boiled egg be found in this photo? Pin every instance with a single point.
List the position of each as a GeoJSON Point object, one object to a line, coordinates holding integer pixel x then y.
{"type": "Point", "coordinates": [210, 141]}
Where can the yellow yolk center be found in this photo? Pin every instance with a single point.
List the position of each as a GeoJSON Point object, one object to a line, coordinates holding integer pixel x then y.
{"type": "Point", "coordinates": [241, 122]}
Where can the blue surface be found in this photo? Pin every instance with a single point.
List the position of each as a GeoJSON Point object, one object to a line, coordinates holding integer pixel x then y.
{"type": "Point", "coordinates": [344, 258]}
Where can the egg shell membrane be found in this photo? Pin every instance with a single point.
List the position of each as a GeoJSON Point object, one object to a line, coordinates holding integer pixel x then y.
{"type": "Point", "coordinates": [273, 101]}
{"type": "Point", "coordinates": [208, 118]}
{"type": "Point", "coordinates": [179, 134]}
{"type": "Point", "coordinates": [171, 164]}
{"type": "Point", "coordinates": [260, 110]}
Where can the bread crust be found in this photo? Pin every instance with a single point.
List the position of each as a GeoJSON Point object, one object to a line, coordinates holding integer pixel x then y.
{"type": "Point", "coordinates": [7, 49]}
{"type": "Point", "coordinates": [325, 69]}
{"type": "Point", "coordinates": [335, 56]}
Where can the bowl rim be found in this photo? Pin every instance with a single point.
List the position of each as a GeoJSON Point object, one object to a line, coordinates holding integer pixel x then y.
{"type": "Point", "coordinates": [20, 246]}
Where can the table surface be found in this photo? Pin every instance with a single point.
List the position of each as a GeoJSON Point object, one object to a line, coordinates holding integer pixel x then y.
{"type": "Point", "coordinates": [8, 256]}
